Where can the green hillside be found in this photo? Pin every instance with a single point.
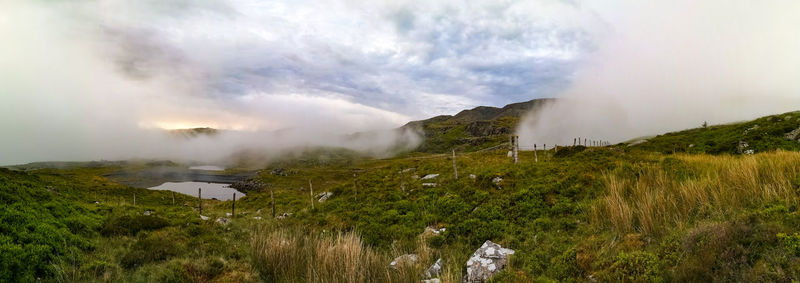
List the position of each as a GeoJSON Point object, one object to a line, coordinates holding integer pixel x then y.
{"type": "Point", "coordinates": [763, 134]}
{"type": "Point", "coordinates": [473, 129]}
{"type": "Point", "coordinates": [608, 214]}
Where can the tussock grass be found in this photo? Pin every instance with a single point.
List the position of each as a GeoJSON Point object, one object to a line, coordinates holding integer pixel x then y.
{"type": "Point", "coordinates": [287, 255]}
{"type": "Point", "coordinates": [656, 196]}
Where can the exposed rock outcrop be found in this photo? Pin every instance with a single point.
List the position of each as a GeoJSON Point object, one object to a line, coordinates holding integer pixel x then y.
{"type": "Point", "coordinates": [793, 135]}
{"type": "Point", "coordinates": [322, 197]}
{"type": "Point", "coordinates": [248, 185]}
{"type": "Point", "coordinates": [435, 270]}
{"type": "Point", "coordinates": [488, 260]}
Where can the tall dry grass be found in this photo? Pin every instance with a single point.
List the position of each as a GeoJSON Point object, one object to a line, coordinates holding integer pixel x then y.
{"type": "Point", "coordinates": [659, 197]}
{"type": "Point", "coordinates": [289, 256]}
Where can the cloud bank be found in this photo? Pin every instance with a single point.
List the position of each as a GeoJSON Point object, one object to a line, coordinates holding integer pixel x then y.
{"type": "Point", "coordinates": [670, 65]}
{"type": "Point", "coordinates": [82, 80]}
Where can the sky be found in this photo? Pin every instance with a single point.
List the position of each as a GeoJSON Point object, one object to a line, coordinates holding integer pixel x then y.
{"type": "Point", "coordinates": [91, 79]}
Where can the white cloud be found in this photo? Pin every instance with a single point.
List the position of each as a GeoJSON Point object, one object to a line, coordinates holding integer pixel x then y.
{"type": "Point", "coordinates": [670, 65]}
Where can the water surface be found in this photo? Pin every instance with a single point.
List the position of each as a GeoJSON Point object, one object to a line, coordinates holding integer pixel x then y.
{"type": "Point", "coordinates": [210, 190]}
{"type": "Point", "coordinates": [207, 168]}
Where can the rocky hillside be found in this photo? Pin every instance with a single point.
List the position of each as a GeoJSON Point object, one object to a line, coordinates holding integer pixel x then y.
{"type": "Point", "coordinates": [472, 129]}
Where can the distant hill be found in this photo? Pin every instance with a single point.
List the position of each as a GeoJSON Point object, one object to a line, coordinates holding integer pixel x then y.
{"type": "Point", "coordinates": [193, 132]}
{"type": "Point", "coordinates": [472, 129]}
{"type": "Point", "coordinates": [763, 134]}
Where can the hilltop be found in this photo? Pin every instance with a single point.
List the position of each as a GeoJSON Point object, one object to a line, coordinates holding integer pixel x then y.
{"type": "Point", "coordinates": [473, 129]}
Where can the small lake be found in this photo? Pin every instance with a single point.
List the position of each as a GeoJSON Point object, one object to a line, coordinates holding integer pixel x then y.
{"type": "Point", "coordinates": [207, 168]}
{"type": "Point", "coordinates": [210, 190]}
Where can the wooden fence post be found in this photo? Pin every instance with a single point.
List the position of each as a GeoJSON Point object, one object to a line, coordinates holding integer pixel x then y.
{"type": "Point", "coordinates": [355, 186]}
{"type": "Point", "coordinates": [134, 199]}
{"type": "Point", "coordinates": [233, 206]}
{"type": "Point", "coordinates": [402, 179]}
{"type": "Point", "coordinates": [200, 200]}
{"type": "Point", "coordinates": [272, 202]}
{"type": "Point", "coordinates": [516, 149]}
{"type": "Point", "coordinates": [173, 198]}
{"type": "Point", "coordinates": [535, 155]}
{"type": "Point", "coordinates": [455, 170]}
{"type": "Point", "coordinates": [312, 193]}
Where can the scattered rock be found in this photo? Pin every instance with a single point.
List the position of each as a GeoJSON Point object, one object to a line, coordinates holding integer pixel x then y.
{"type": "Point", "coordinates": [472, 176]}
{"type": "Point", "coordinates": [430, 176]}
{"type": "Point", "coordinates": [322, 197]}
{"type": "Point", "coordinates": [248, 185]}
{"type": "Point", "coordinates": [96, 202]}
{"type": "Point", "coordinates": [429, 184]}
{"type": "Point", "coordinates": [691, 145]}
{"type": "Point", "coordinates": [749, 151]}
{"type": "Point", "coordinates": [284, 215]}
{"type": "Point", "coordinates": [409, 170]}
{"type": "Point", "coordinates": [257, 217]}
{"type": "Point", "coordinates": [432, 280]}
{"type": "Point", "coordinates": [203, 218]}
{"type": "Point", "coordinates": [279, 172]}
{"type": "Point", "coordinates": [435, 270]}
{"type": "Point", "coordinates": [224, 221]}
{"type": "Point", "coordinates": [793, 135]}
{"type": "Point", "coordinates": [432, 231]}
{"type": "Point", "coordinates": [258, 211]}
{"type": "Point", "coordinates": [404, 260]}
{"type": "Point", "coordinates": [228, 214]}
{"type": "Point", "coordinates": [742, 146]}
{"type": "Point", "coordinates": [755, 127]}
{"type": "Point", "coordinates": [488, 260]}
{"type": "Point", "coordinates": [497, 180]}
{"type": "Point", "coordinates": [147, 212]}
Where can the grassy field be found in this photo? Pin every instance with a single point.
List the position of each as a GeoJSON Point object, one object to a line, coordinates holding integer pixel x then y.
{"type": "Point", "coordinates": [619, 213]}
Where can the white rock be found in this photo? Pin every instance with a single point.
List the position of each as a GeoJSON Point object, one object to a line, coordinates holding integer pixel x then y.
{"type": "Point", "coordinates": [429, 184]}
{"type": "Point", "coordinates": [432, 280]}
{"type": "Point", "coordinates": [203, 217]}
{"type": "Point", "coordinates": [435, 270]}
{"type": "Point", "coordinates": [147, 213]}
{"type": "Point", "coordinates": [472, 176]}
{"type": "Point", "coordinates": [322, 197]}
{"type": "Point", "coordinates": [228, 214]}
{"type": "Point", "coordinates": [257, 217]}
{"type": "Point", "coordinates": [488, 260]}
{"type": "Point", "coordinates": [510, 153]}
{"type": "Point", "coordinates": [432, 230]}
{"type": "Point", "coordinates": [497, 180]}
{"type": "Point", "coordinates": [406, 259]}
{"type": "Point", "coordinates": [223, 221]}
{"type": "Point", "coordinates": [430, 176]}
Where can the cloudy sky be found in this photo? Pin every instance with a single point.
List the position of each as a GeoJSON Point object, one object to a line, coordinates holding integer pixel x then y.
{"type": "Point", "coordinates": [268, 64]}
{"type": "Point", "coordinates": [89, 73]}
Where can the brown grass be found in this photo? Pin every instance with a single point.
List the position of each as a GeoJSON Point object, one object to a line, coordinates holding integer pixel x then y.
{"type": "Point", "coordinates": [288, 256]}
{"type": "Point", "coordinates": [715, 185]}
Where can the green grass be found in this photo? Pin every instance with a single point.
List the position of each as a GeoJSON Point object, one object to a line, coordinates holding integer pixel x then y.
{"type": "Point", "coordinates": [763, 134]}
{"type": "Point", "coordinates": [615, 213]}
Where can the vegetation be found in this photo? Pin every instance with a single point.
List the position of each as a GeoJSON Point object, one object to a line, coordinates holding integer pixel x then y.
{"type": "Point", "coordinates": [620, 213]}
{"type": "Point", "coordinates": [470, 130]}
{"type": "Point", "coordinates": [763, 134]}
